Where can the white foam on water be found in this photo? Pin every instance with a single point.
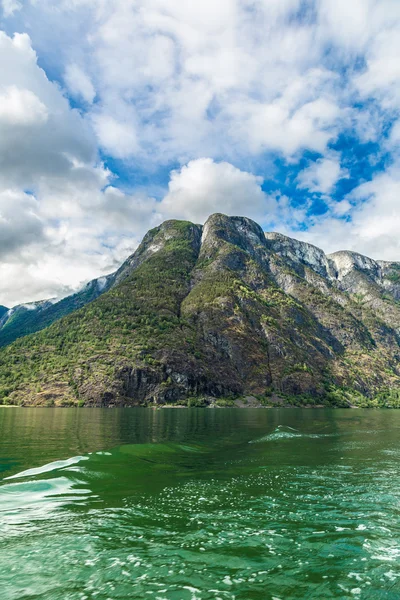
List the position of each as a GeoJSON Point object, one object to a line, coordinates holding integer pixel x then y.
{"type": "Point", "coordinates": [23, 502]}
{"type": "Point", "coordinates": [194, 591]}
{"type": "Point", "coordinates": [283, 432]}
{"type": "Point", "coordinates": [391, 575]}
{"type": "Point", "coordinates": [53, 466]}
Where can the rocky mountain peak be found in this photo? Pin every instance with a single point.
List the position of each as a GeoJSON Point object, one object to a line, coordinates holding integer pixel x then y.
{"type": "Point", "coordinates": [346, 261]}
{"type": "Point", "coordinates": [298, 252]}
{"type": "Point", "coordinates": [241, 232]}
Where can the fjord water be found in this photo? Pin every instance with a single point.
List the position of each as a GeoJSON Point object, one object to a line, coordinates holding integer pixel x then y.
{"type": "Point", "coordinates": [199, 504]}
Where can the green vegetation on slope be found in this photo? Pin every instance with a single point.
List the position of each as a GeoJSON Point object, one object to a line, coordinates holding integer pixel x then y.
{"type": "Point", "coordinates": [25, 321]}
{"type": "Point", "coordinates": [126, 324]}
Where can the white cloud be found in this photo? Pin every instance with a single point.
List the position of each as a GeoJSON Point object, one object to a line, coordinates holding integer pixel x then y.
{"type": "Point", "coordinates": [381, 78]}
{"type": "Point", "coordinates": [20, 224]}
{"type": "Point", "coordinates": [372, 223]}
{"type": "Point", "coordinates": [322, 175]}
{"type": "Point", "coordinates": [207, 78]}
{"type": "Point", "coordinates": [21, 107]}
{"type": "Point", "coordinates": [203, 187]}
{"type": "Point", "coordinates": [10, 7]}
{"type": "Point", "coordinates": [40, 135]}
{"type": "Point", "coordinates": [341, 208]}
{"type": "Point", "coordinates": [164, 82]}
{"type": "Point", "coordinates": [376, 216]}
{"type": "Point", "coordinates": [347, 23]}
{"type": "Point", "coordinates": [221, 79]}
{"type": "Point", "coordinates": [116, 137]}
{"type": "Point", "coordinates": [79, 83]}
{"type": "Point", "coordinates": [72, 225]}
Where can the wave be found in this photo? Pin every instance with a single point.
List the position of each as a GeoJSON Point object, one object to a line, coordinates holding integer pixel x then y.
{"type": "Point", "coordinates": [53, 466]}
{"type": "Point", "coordinates": [283, 432]}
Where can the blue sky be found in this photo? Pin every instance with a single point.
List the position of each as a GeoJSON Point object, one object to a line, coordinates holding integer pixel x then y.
{"type": "Point", "coordinates": [117, 115]}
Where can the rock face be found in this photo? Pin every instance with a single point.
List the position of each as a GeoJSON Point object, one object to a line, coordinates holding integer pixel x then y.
{"type": "Point", "coordinates": [219, 311]}
{"type": "Point", "coordinates": [298, 253]}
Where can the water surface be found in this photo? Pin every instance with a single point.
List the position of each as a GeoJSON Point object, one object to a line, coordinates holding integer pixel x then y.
{"type": "Point", "coordinates": [199, 504]}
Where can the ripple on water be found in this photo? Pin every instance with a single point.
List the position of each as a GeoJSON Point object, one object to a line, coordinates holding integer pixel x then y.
{"type": "Point", "coordinates": [53, 466]}
{"type": "Point", "coordinates": [283, 432]}
{"type": "Point", "coordinates": [248, 530]}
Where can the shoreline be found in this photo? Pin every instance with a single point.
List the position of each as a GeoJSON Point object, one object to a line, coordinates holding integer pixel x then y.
{"type": "Point", "coordinates": [181, 406]}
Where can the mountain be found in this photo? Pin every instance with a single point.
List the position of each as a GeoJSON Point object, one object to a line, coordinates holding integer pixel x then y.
{"type": "Point", "coordinates": [28, 318]}
{"type": "Point", "coordinates": [221, 313]}
{"type": "Point", "coordinates": [22, 319]}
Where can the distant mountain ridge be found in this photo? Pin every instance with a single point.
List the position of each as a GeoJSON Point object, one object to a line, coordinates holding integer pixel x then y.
{"type": "Point", "coordinates": [30, 317]}
{"type": "Point", "coordinates": [215, 312]}
{"type": "Point", "coordinates": [27, 318]}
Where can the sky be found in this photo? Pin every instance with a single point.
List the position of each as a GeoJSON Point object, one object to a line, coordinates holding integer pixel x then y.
{"type": "Point", "coordinates": [116, 115]}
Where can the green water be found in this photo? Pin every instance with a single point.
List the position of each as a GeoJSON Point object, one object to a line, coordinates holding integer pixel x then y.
{"type": "Point", "coordinates": [199, 504]}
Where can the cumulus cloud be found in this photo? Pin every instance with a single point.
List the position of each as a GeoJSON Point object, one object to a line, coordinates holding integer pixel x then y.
{"type": "Point", "coordinates": [222, 79]}
{"type": "Point", "coordinates": [116, 137]}
{"type": "Point", "coordinates": [79, 83]}
{"type": "Point", "coordinates": [20, 224]}
{"type": "Point", "coordinates": [40, 135]}
{"type": "Point", "coordinates": [72, 224]}
{"type": "Point", "coordinates": [203, 186]}
{"type": "Point", "coordinates": [21, 107]}
{"type": "Point", "coordinates": [322, 175]}
{"type": "Point", "coordinates": [204, 79]}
